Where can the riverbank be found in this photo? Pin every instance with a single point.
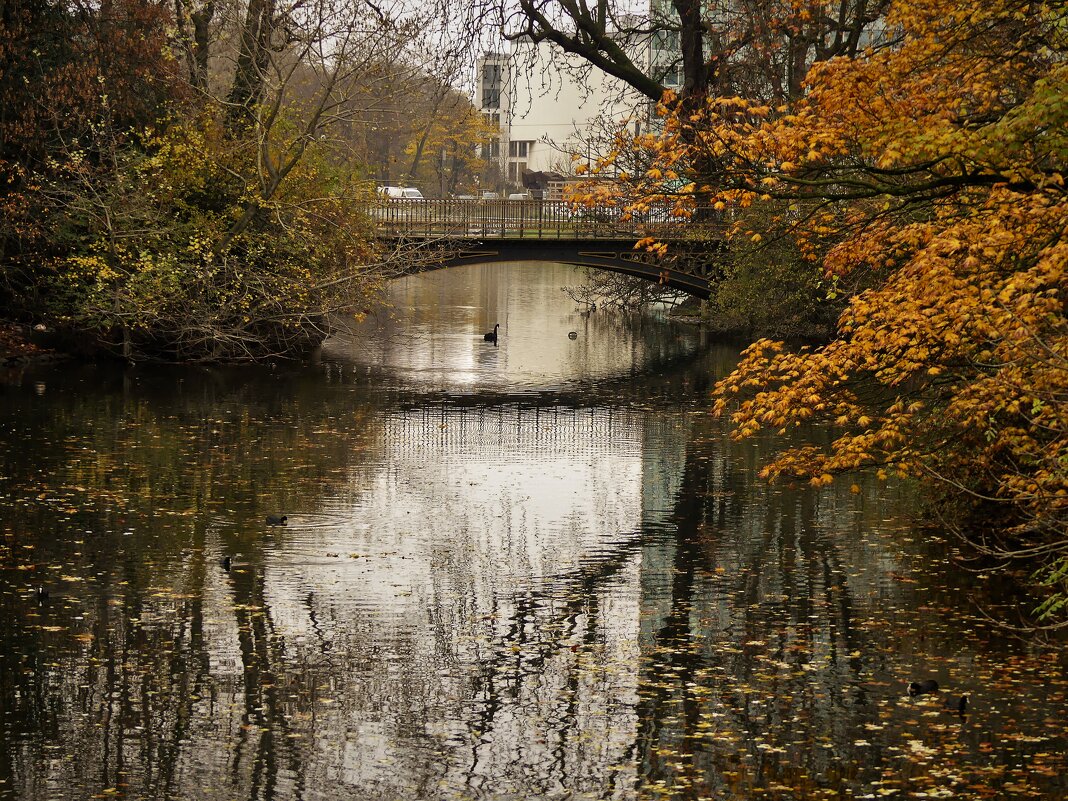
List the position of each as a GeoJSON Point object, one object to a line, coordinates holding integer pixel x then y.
{"type": "Point", "coordinates": [805, 330]}
{"type": "Point", "coordinates": [17, 346]}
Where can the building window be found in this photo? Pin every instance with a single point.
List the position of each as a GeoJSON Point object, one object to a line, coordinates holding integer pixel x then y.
{"type": "Point", "coordinates": [515, 171]}
{"type": "Point", "coordinates": [665, 58]}
{"type": "Point", "coordinates": [491, 85]}
{"type": "Point", "coordinates": [492, 120]}
{"type": "Point", "coordinates": [492, 149]}
{"type": "Point", "coordinates": [518, 150]}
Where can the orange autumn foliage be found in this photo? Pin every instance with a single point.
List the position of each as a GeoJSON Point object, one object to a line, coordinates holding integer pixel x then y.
{"type": "Point", "coordinates": [935, 163]}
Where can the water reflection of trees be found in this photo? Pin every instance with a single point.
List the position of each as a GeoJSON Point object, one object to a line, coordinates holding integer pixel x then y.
{"type": "Point", "coordinates": [749, 673]}
{"type": "Point", "coordinates": [120, 502]}
{"type": "Point", "coordinates": [557, 700]}
{"type": "Point", "coordinates": [724, 644]}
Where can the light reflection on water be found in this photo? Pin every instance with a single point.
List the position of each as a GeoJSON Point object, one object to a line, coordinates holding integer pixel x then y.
{"type": "Point", "coordinates": [430, 339]}
{"type": "Point", "coordinates": [530, 570]}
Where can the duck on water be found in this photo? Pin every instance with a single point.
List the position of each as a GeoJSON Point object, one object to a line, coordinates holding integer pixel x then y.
{"type": "Point", "coordinates": [921, 687]}
{"type": "Point", "coordinates": [491, 336]}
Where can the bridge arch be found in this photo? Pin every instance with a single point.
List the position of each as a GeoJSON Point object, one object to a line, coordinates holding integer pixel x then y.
{"type": "Point", "coordinates": [617, 256]}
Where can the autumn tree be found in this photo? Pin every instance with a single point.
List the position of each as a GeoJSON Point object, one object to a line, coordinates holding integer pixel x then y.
{"type": "Point", "coordinates": [73, 83]}
{"type": "Point", "coordinates": [445, 147]}
{"type": "Point", "coordinates": [756, 48]}
{"type": "Point", "coordinates": [934, 166]}
{"type": "Point", "coordinates": [198, 207]}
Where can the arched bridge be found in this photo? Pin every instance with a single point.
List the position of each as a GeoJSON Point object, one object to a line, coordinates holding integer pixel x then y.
{"type": "Point", "coordinates": [450, 233]}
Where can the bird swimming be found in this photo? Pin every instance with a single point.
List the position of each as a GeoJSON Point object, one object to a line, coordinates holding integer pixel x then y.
{"type": "Point", "coordinates": [41, 593]}
{"type": "Point", "coordinates": [225, 562]}
{"type": "Point", "coordinates": [921, 687]}
{"type": "Point", "coordinates": [276, 520]}
{"type": "Point", "coordinates": [572, 334]}
{"type": "Point", "coordinates": [958, 705]}
{"type": "Point", "coordinates": [491, 336]}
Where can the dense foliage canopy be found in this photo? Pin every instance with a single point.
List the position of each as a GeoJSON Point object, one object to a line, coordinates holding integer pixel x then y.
{"type": "Point", "coordinates": [933, 164]}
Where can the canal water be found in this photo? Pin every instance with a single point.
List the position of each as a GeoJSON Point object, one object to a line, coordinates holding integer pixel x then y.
{"type": "Point", "coordinates": [529, 569]}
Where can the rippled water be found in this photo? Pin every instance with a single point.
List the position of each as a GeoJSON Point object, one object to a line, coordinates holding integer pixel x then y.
{"type": "Point", "coordinates": [529, 569]}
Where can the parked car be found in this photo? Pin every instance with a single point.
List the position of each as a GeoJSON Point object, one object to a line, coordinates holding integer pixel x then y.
{"type": "Point", "coordinates": [400, 193]}
{"type": "Point", "coordinates": [520, 196]}
{"type": "Point", "coordinates": [490, 196]}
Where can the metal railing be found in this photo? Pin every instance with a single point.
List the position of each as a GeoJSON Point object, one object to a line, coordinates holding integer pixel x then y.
{"type": "Point", "coordinates": [519, 219]}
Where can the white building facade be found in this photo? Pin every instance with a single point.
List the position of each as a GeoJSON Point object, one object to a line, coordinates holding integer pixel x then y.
{"type": "Point", "coordinates": [554, 111]}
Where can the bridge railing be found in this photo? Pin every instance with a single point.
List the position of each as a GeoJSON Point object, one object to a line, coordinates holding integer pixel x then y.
{"type": "Point", "coordinates": [536, 219]}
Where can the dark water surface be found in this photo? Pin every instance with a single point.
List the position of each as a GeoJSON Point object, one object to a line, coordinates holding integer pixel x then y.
{"type": "Point", "coordinates": [531, 570]}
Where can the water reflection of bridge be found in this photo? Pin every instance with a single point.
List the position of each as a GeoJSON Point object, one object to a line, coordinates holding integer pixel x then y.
{"type": "Point", "coordinates": [606, 237]}
{"type": "Point", "coordinates": [550, 431]}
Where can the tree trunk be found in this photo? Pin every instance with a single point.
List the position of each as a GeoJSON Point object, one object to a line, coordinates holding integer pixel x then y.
{"type": "Point", "coordinates": [695, 74]}
{"type": "Point", "coordinates": [201, 21]}
{"type": "Point", "coordinates": [252, 60]}
{"type": "Point", "coordinates": [195, 42]}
